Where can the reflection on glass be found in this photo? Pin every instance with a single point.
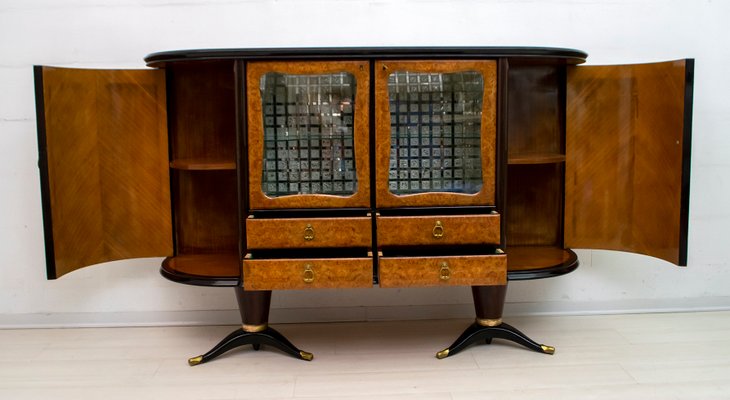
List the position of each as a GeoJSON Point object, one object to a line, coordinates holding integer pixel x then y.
{"type": "Point", "coordinates": [435, 124]}
{"type": "Point", "coordinates": [308, 134]}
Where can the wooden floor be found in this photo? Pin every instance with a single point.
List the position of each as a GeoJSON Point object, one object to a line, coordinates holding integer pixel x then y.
{"type": "Point", "coordinates": [651, 356]}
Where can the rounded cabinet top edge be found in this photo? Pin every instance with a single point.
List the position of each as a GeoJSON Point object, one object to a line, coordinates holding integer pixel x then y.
{"type": "Point", "coordinates": [563, 55]}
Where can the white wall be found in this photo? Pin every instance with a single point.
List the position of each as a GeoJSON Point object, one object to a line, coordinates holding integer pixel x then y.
{"type": "Point", "coordinates": [119, 33]}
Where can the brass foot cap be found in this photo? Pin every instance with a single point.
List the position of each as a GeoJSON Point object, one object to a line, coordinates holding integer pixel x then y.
{"type": "Point", "coordinates": [195, 361]}
{"type": "Point", "coordinates": [547, 349]}
{"type": "Point", "coordinates": [442, 354]}
{"type": "Point", "coordinates": [306, 356]}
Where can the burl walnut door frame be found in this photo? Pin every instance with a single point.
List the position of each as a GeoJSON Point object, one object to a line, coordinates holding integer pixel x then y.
{"type": "Point", "coordinates": [103, 159]}
{"type": "Point", "coordinates": [488, 142]}
{"type": "Point", "coordinates": [628, 138]}
{"type": "Point", "coordinates": [255, 135]}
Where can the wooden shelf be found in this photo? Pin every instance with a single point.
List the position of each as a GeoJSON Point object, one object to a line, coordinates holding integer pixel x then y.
{"type": "Point", "coordinates": [203, 269]}
{"type": "Point", "coordinates": [203, 164]}
{"type": "Point", "coordinates": [535, 262]}
{"type": "Point", "coordinates": [537, 158]}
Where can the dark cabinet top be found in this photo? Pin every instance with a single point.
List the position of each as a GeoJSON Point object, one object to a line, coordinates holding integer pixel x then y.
{"type": "Point", "coordinates": [544, 54]}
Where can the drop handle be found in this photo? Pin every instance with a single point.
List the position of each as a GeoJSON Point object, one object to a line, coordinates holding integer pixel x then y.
{"type": "Point", "coordinates": [444, 271]}
{"type": "Point", "coordinates": [308, 274]}
{"type": "Point", "coordinates": [438, 230]}
{"type": "Point", "coordinates": [308, 232]}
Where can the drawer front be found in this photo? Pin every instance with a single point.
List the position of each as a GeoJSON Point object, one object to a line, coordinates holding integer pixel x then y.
{"type": "Point", "coordinates": [439, 229]}
{"type": "Point", "coordinates": [301, 273]}
{"type": "Point", "coordinates": [443, 271]}
{"type": "Point", "coordinates": [273, 233]}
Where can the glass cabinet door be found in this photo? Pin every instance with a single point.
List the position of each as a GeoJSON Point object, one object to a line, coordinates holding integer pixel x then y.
{"type": "Point", "coordinates": [435, 133]}
{"type": "Point", "coordinates": [308, 134]}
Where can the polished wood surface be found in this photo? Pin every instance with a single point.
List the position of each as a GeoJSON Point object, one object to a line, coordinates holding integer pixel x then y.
{"type": "Point", "coordinates": [203, 114]}
{"type": "Point", "coordinates": [206, 212]}
{"type": "Point", "coordinates": [534, 211]}
{"type": "Point", "coordinates": [107, 152]}
{"type": "Point", "coordinates": [522, 258]}
{"type": "Point", "coordinates": [429, 271]}
{"type": "Point", "coordinates": [360, 70]}
{"type": "Point", "coordinates": [202, 164]}
{"type": "Point", "coordinates": [489, 300]}
{"type": "Point", "coordinates": [276, 233]}
{"type": "Point", "coordinates": [536, 158]}
{"type": "Point", "coordinates": [220, 265]}
{"type": "Point", "coordinates": [485, 196]}
{"type": "Point", "coordinates": [314, 273]}
{"type": "Point", "coordinates": [624, 145]}
{"type": "Point", "coordinates": [438, 230]}
{"type": "Point", "coordinates": [535, 115]}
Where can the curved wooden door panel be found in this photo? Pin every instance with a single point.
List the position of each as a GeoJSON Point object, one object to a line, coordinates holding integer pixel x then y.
{"type": "Point", "coordinates": [104, 166]}
{"type": "Point", "coordinates": [628, 134]}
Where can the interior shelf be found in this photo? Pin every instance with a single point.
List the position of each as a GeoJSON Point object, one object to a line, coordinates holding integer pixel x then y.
{"type": "Point", "coordinates": [203, 164]}
{"type": "Point", "coordinates": [222, 269]}
{"type": "Point", "coordinates": [535, 262]}
{"type": "Point", "coordinates": [536, 158]}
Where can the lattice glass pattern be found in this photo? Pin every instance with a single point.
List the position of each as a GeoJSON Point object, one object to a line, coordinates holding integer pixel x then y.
{"type": "Point", "coordinates": [435, 124]}
{"type": "Point", "coordinates": [308, 134]}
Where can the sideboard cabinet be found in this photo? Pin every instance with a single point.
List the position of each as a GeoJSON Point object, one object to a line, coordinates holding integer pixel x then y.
{"type": "Point", "coordinates": [275, 169]}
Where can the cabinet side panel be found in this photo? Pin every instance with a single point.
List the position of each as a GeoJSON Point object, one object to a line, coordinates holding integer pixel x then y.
{"type": "Point", "coordinates": [624, 158]}
{"type": "Point", "coordinates": [107, 165]}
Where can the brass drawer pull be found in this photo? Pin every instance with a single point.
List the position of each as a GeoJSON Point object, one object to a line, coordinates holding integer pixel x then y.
{"type": "Point", "coordinates": [444, 272]}
{"type": "Point", "coordinates": [309, 232]}
{"type": "Point", "coordinates": [308, 274]}
{"type": "Point", "coordinates": [438, 230]}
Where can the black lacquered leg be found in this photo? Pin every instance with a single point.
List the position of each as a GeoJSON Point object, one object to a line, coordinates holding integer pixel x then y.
{"type": "Point", "coordinates": [239, 337]}
{"type": "Point", "coordinates": [478, 333]}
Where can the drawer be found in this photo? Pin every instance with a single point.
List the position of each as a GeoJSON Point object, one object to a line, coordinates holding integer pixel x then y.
{"type": "Point", "coordinates": [306, 273]}
{"type": "Point", "coordinates": [278, 233]}
{"type": "Point", "coordinates": [439, 229]}
{"type": "Point", "coordinates": [481, 270]}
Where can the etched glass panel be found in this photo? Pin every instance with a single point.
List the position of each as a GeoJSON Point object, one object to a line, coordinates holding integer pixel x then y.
{"type": "Point", "coordinates": [435, 125]}
{"type": "Point", "coordinates": [308, 134]}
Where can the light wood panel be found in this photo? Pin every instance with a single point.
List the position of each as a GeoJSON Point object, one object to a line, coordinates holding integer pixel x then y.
{"type": "Point", "coordinates": [276, 233]}
{"type": "Point", "coordinates": [625, 145]}
{"type": "Point", "coordinates": [205, 265]}
{"type": "Point", "coordinates": [485, 196]}
{"type": "Point", "coordinates": [309, 273]}
{"type": "Point", "coordinates": [107, 163]}
{"type": "Point", "coordinates": [361, 71]}
{"type": "Point", "coordinates": [438, 230]}
{"type": "Point", "coordinates": [524, 258]}
{"type": "Point", "coordinates": [442, 271]}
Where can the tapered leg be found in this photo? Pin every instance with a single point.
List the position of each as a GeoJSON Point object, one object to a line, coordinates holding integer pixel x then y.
{"type": "Point", "coordinates": [488, 304]}
{"type": "Point", "coordinates": [254, 307]}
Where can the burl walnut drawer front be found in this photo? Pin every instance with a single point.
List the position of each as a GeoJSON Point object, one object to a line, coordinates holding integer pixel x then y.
{"type": "Point", "coordinates": [274, 233]}
{"type": "Point", "coordinates": [440, 271]}
{"type": "Point", "coordinates": [435, 230]}
{"type": "Point", "coordinates": [307, 273]}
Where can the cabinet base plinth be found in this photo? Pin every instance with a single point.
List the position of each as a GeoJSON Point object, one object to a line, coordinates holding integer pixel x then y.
{"type": "Point", "coordinates": [476, 333]}
{"type": "Point", "coordinates": [239, 337]}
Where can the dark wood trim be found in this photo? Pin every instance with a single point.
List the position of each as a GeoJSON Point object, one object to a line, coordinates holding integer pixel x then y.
{"type": "Point", "coordinates": [550, 272]}
{"type": "Point", "coordinates": [502, 151]}
{"type": "Point", "coordinates": [197, 280]}
{"type": "Point", "coordinates": [241, 155]}
{"type": "Point", "coordinates": [40, 109]}
{"type": "Point", "coordinates": [686, 160]}
{"type": "Point", "coordinates": [174, 182]}
{"type": "Point", "coordinates": [489, 301]}
{"type": "Point", "coordinates": [373, 174]}
{"type": "Point", "coordinates": [546, 54]}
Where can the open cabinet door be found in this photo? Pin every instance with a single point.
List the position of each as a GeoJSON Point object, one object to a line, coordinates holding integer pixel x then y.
{"type": "Point", "coordinates": [105, 185]}
{"type": "Point", "coordinates": [628, 130]}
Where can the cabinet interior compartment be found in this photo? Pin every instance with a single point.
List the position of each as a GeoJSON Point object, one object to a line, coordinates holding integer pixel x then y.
{"type": "Point", "coordinates": [536, 166]}
{"type": "Point", "coordinates": [203, 118]}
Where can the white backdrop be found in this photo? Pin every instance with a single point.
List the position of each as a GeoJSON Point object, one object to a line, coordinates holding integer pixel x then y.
{"type": "Point", "coordinates": [119, 33]}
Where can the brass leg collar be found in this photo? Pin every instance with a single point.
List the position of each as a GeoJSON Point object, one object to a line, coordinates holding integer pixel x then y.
{"type": "Point", "coordinates": [254, 328]}
{"type": "Point", "coordinates": [489, 322]}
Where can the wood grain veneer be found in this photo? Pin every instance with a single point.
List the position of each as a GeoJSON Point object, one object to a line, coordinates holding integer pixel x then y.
{"type": "Point", "coordinates": [624, 145]}
{"type": "Point", "coordinates": [534, 214]}
{"type": "Point", "coordinates": [107, 161]}
{"type": "Point", "coordinates": [220, 265]}
{"type": "Point", "coordinates": [290, 273]}
{"type": "Point", "coordinates": [485, 196]}
{"type": "Point", "coordinates": [522, 258]}
{"type": "Point", "coordinates": [454, 230]}
{"type": "Point", "coordinates": [426, 271]}
{"type": "Point", "coordinates": [360, 70]}
{"type": "Point", "coordinates": [273, 233]}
